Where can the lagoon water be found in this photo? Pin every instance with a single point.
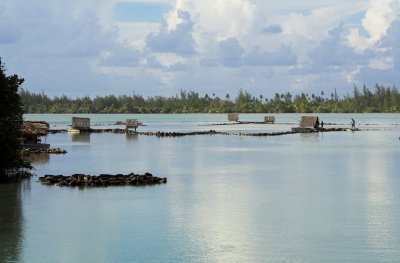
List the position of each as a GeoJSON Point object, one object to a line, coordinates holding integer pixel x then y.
{"type": "Point", "coordinates": [321, 197]}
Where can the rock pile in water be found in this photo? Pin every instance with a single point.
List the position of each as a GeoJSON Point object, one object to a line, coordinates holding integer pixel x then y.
{"type": "Point", "coordinates": [193, 133]}
{"type": "Point", "coordinates": [102, 180]}
{"type": "Point", "coordinates": [50, 151]}
{"type": "Point", "coordinates": [179, 134]}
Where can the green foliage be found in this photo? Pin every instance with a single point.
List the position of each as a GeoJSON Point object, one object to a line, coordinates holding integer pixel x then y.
{"type": "Point", "coordinates": [10, 124]}
{"type": "Point", "coordinates": [383, 99]}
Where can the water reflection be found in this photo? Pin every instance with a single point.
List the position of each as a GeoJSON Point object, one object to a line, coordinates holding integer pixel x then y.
{"type": "Point", "coordinates": [380, 219]}
{"type": "Point", "coordinates": [81, 137]}
{"type": "Point", "coordinates": [131, 137]}
{"type": "Point", "coordinates": [39, 158]}
{"type": "Point", "coordinates": [309, 136]}
{"type": "Point", "coordinates": [10, 222]}
{"type": "Point", "coordinates": [210, 215]}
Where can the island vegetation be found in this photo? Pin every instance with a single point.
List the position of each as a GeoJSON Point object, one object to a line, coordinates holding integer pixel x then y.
{"type": "Point", "coordinates": [380, 99]}
{"type": "Point", "coordinates": [11, 154]}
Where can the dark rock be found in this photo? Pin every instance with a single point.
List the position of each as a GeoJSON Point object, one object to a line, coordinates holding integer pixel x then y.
{"type": "Point", "coordinates": [83, 180]}
{"type": "Point", "coordinates": [72, 182]}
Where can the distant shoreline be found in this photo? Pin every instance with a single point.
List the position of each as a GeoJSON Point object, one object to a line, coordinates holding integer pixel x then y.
{"type": "Point", "coordinates": [381, 100]}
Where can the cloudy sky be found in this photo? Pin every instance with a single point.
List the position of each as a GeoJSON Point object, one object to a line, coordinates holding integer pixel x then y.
{"type": "Point", "coordinates": [158, 47]}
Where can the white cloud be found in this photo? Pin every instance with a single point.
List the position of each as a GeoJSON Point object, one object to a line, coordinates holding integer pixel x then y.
{"type": "Point", "coordinates": [272, 29]}
{"type": "Point", "coordinates": [333, 51]}
{"type": "Point", "coordinates": [384, 67]}
{"type": "Point", "coordinates": [209, 46]}
{"type": "Point", "coordinates": [314, 25]}
{"type": "Point", "coordinates": [390, 44]}
{"type": "Point", "coordinates": [331, 55]}
{"type": "Point", "coordinates": [178, 40]}
{"type": "Point", "coordinates": [169, 59]}
{"type": "Point", "coordinates": [378, 18]}
{"type": "Point", "coordinates": [283, 56]}
{"type": "Point", "coordinates": [121, 56]}
{"type": "Point", "coordinates": [135, 32]}
{"type": "Point", "coordinates": [225, 18]}
{"type": "Point", "coordinates": [230, 52]}
{"type": "Point", "coordinates": [359, 43]}
{"type": "Point", "coordinates": [381, 63]}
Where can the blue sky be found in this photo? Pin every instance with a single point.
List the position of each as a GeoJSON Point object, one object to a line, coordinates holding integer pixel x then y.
{"type": "Point", "coordinates": [159, 47]}
{"type": "Point", "coordinates": [140, 11]}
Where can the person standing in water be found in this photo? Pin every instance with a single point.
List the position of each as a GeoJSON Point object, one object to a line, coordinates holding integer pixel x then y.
{"type": "Point", "coordinates": [353, 124]}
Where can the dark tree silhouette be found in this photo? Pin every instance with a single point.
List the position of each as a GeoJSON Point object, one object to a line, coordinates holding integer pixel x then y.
{"type": "Point", "coordinates": [10, 124]}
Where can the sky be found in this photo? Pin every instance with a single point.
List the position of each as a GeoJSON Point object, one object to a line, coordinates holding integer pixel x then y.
{"type": "Point", "coordinates": [159, 47]}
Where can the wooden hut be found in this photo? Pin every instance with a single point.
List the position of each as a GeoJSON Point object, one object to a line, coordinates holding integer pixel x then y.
{"type": "Point", "coordinates": [309, 121]}
{"type": "Point", "coordinates": [31, 131]}
{"type": "Point", "coordinates": [269, 119]}
{"type": "Point", "coordinates": [307, 124]}
{"type": "Point", "coordinates": [233, 117]}
{"type": "Point", "coordinates": [132, 123]}
{"type": "Point", "coordinates": [80, 124]}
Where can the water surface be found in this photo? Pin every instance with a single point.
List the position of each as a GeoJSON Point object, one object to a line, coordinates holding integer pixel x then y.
{"type": "Point", "coordinates": [327, 197]}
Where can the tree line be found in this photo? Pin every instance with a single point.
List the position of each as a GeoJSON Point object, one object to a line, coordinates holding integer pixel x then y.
{"type": "Point", "coordinates": [381, 99]}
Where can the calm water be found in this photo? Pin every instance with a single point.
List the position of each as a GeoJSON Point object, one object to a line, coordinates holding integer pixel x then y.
{"type": "Point", "coordinates": [328, 197]}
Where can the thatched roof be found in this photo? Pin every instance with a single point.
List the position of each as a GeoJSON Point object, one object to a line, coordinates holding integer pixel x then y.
{"type": "Point", "coordinates": [308, 121]}
{"type": "Point", "coordinates": [34, 128]}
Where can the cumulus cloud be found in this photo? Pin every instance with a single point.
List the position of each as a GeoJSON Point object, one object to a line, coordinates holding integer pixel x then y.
{"type": "Point", "coordinates": [86, 38]}
{"type": "Point", "coordinates": [230, 52]}
{"type": "Point", "coordinates": [78, 46]}
{"type": "Point", "coordinates": [272, 29]}
{"type": "Point", "coordinates": [122, 56]}
{"type": "Point", "coordinates": [313, 25]}
{"type": "Point", "coordinates": [334, 63]}
{"type": "Point", "coordinates": [179, 40]}
{"type": "Point", "coordinates": [152, 62]}
{"type": "Point", "coordinates": [382, 63]}
{"type": "Point", "coordinates": [377, 20]}
{"type": "Point", "coordinates": [226, 18]}
{"type": "Point", "coordinates": [332, 55]}
{"type": "Point", "coordinates": [384, 67]}
{"type": "Point", "coordinates": [390, 43]}
{"type": "Point", "coordinates": [380, 46]}
{"type": "Point", "coordinates": [57, 47]}
{"type": "Point", "coordinates": [333, 51]}
{"type": "Point", "coordinates": [43, 31]}
{"type": "Point", "coordinates": [280, 57]}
